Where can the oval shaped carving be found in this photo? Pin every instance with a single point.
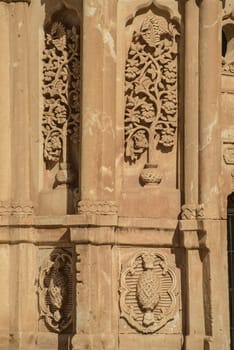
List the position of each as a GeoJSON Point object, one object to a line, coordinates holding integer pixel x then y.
{"type": "Point", "coordinates": [148, 291]}
{"type": "Point", "coordinates": [55, 290]}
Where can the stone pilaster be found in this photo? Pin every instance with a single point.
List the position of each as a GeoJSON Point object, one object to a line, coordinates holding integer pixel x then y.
{"type": "Point", "coordinates": [98, 112]}
{"type": "Point", "coordinates": [209, 108]}
{"type": "Point", "coordinates": [191, 104]}
{"type": "Point", "coordinates": [5, 122]}
{"type": "Point", "coordinates": [20, 118]}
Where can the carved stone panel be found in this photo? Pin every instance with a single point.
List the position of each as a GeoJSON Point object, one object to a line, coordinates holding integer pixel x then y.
{"type": "Point", "coordinates": [55, 290]}
{"type": "Point", "coordinates": [61, 91]}
{"type": "Point", "coordinates": [151, 110]}
{"type": "Point", "coordinates": [148, 291]}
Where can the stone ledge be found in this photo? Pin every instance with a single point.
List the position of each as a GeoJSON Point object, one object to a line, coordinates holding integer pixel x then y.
{"type": "Point", "coordinates": [86, 220]}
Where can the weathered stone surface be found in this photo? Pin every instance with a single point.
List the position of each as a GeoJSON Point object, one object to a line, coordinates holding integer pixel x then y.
{"type": "Point", "coordinates": [117, 163]}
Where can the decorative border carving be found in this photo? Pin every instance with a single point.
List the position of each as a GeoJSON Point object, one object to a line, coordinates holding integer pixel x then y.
{"type": "Point", "coordinates": [15, 208]}
{"type": "Point", "coordinates": [98, 207]}
{"type": "Point", "coordinates": [192, 211]}
{"type": "Point", "coordinates": [170, 6]}
{"type": "Point", "coordinates": [55, 290]}
{"type": "Point", "coordinates": [148, 291]}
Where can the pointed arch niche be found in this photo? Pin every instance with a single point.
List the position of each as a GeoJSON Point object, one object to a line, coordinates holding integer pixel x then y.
{"type": "Point", "coordinates": [60, 107]}
{"type": "Point", "coordinates": [149, 114]}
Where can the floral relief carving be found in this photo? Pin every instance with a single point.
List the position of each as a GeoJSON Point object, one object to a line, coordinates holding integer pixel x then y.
{"type": "Point", "coordinates": [151, 112]}
{"type": "Point", "coordinates": [148, 291]}
{"type": "Point", "coordinates": [55, 290]}
{"type": "Point", "coordinates": [61, 90]}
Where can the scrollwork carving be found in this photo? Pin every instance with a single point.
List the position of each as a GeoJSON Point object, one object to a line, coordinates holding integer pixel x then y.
{"type": "Point", "coordinates": [148, 291]}
{"type": "Point", "coordinates": [151, 89]}
{"type": "Point", "coordinates": [61, 90]}
{"type": "Point", "coordinates": [55, 290]}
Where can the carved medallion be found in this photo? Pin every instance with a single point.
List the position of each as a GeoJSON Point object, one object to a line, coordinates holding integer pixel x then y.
{"type": "Point", "coordinates": [148, 294]}
{"type": "Point", "coordinates": [55, 290]}
{"type": "Point", "coordinates": [151, 110]}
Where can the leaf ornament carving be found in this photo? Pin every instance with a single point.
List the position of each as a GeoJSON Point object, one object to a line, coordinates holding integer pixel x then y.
{"type": "Point", "coordinates": [151, 89]}
{"type": "Point", "coordinates": [61, 90]}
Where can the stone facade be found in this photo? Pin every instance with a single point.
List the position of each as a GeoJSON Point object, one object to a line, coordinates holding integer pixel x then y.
{"type": "Point", "coordinates": [117, 153]}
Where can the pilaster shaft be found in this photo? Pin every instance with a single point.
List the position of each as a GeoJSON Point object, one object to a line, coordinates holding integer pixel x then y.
{"type": "Point", "coordinates": [209, 98]}
{"type": "Point", "coordinates": [20, 104]}
{"type": "Point", "coordinates": [191, 102]}
{"type": "Point", "coordinates": [98, 113]}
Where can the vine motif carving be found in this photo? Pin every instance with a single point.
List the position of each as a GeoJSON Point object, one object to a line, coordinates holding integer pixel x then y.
{"type": "Point", "coordinates": [148, 292]}
{"type": "Point", "coordinates": [151, 89]}
{"type": "Point", "coordinates": [55, 290]}
{"type": "Point", "coordinates": [61, 90]}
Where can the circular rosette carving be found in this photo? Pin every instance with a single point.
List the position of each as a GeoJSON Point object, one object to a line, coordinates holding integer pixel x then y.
{"type": "Point", "coordinates": [55, 290]}
{"type": "Point", "coordinates": [148, 292]}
